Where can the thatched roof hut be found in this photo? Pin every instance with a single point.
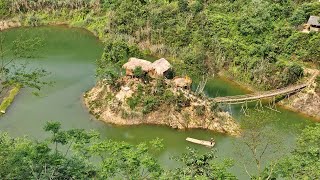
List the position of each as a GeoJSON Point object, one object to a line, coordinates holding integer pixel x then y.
{"type": "Point", "coordinates": [314, 21]}
{"type": "Point", "coordinates": [133, 63]}
{"type": "Point", "coordinates": [160, 67]}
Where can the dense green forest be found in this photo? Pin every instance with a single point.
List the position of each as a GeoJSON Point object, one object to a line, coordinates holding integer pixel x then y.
{"type": "Point", "coordinates": [257, 42]}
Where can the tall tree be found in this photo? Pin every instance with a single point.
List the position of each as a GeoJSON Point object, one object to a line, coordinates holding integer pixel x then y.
{"type": "Point", "coordinates": [259, 144]}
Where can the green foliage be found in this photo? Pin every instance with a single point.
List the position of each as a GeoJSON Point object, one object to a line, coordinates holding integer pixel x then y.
{"type": "Point", "coordinates": [160, 87]}
{"type": "Point", "coordinates": [133, 102]}
{"type": "Point", "coordinates": [298, 17]}
{"type": "Point", "coordinates": [110, 74]}
{"type": "Point", "coordinates": [197, 6]}
{"type": "Point", "coordinates": [150, 103]}
{"type": "Point", "coordinates": [24, 159]}
{"type": "Point", "coordinates": [200, 110]}
{"type": "Point", "coordinates": [131, 12]}
{"type": "Point", "coordinates": [116, 53]}
{"type": "Point", "coordinates": [259, 144]}
{"type": "Point", "coordinates": [183, 5]}
{"type": "Point", "coordinates": [34, 21]}
{"type": "Point", "coordinates": [246, 38]}
{"type": "Point", "coordinates": [313, 49]}
{"type": "Point", "coordinates": [149, 97]}
{"type": "Point", "coordinates": [138, 72]}
{"type": "Point", "coordinates": [26, 48]}
{"type": "Point", "coordinates": [12, 73]}
{"type": "Point", "coordinates": [255, 41]}
{"type": "Point", "coordinates": [201, 166]}
{"type": "Point", "coordinates": [53, 127]}
{"type": "Point", "coordinates": [109, 4]}
{"type": "Point", "coordinates": [18, 74]}
{"type": "Point", "coordinates": [125, 161]}
{"type": "Point", "coordinates": [195, 62]}
{"type": "Point", "coordinates": [181, 101]}
{"type": "Point", "coordinates": [4, 8]}
{"type": "Point", "coordinates": [294, 73]}
{"type": "Point", "coordinates": [304, 160]}
{"type": "Point", "coordinates": [168, 96]}
{"type": "Point", "coordinates": [309, 8]}
{"type": "Point", "coordinates": [78, 150]}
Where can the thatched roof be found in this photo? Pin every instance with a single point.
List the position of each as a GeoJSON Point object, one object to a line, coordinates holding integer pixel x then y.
{"type": "Point", "coordinates": [161, 66]}
{"type": "Point", "coordinates": [314, 21]}
{"type": "Point", "coordinates": [135, 62]}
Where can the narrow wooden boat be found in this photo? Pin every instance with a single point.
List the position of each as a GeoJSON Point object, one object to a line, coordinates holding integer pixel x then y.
{"type": "Point", "coordinates": [201, 142]}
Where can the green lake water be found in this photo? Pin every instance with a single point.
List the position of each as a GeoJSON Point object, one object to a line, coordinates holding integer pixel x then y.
{"type": "Point", "coordinates": [70, 54]}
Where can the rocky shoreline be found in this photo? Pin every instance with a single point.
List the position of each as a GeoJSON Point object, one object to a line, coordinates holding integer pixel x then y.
{"type": "Point", "coordinates": [306, 102]}
{"type": "Point", "coordinates": [7, 24]}
{"type": "Point", "coordinates": [117, 112]}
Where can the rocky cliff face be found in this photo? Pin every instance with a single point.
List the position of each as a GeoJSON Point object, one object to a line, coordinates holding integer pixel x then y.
{"type": "Point", "coordinates": [112, 106]}
{"type": "Point", "coordinates": [308, 100]}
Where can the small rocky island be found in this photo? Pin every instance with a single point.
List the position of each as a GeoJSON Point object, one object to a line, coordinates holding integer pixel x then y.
{"type": "Point", "coordinates": [149, 94]}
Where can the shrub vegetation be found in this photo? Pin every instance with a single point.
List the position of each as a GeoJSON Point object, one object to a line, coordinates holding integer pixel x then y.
{"type": "Point", "coordinates": [254, 41]}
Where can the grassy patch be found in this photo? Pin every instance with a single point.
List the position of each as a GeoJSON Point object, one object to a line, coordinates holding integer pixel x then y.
{"type": "Point", "coordinates": [9, 99]}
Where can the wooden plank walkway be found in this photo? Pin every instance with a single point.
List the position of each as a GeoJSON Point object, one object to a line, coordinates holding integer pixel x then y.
{"type": "Point", "coordinates": [263, 95]}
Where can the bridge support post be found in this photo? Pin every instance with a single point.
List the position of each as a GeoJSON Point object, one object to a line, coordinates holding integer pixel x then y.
{"type": "Point", "coordinates": [230, 110]}
{"type": "Point", "coordinates": [244, 108]}
{"type": "Point", "coordinates": [272, 105]}
{"type": "Point", "coordinates": [258, 105]}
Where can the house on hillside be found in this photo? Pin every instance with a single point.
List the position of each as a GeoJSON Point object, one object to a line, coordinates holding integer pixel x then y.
{"type": "Point", "coordinates": [313, 24]}
{"type": "Point", "coordinates": [161, 68]}
{"type": "Point", "coordinates": [134, 63]}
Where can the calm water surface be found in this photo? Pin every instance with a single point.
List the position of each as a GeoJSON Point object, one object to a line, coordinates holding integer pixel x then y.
{"type": "Point", "coordinates": [70, 54]}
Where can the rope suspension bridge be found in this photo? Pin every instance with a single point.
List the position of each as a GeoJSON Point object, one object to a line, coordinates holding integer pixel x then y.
{"type": "Point", "coordinates": [238, 99]}
{"type": "Point", "coordinates": [258, 96]}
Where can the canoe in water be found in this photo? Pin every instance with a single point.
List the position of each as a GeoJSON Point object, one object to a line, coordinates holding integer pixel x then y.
{"type": "Point", "coordinates": [201, 142]}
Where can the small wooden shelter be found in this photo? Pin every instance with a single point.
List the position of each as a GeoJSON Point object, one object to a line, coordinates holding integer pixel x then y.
{"type": "Point", "coordinates": [183, 82]}
{"type": "Point", "coordinates": [160, 68]}
{"type": "Point", "coordinates": [134, 63]}
{"type": "Point", "coordinates": [313, 23]}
